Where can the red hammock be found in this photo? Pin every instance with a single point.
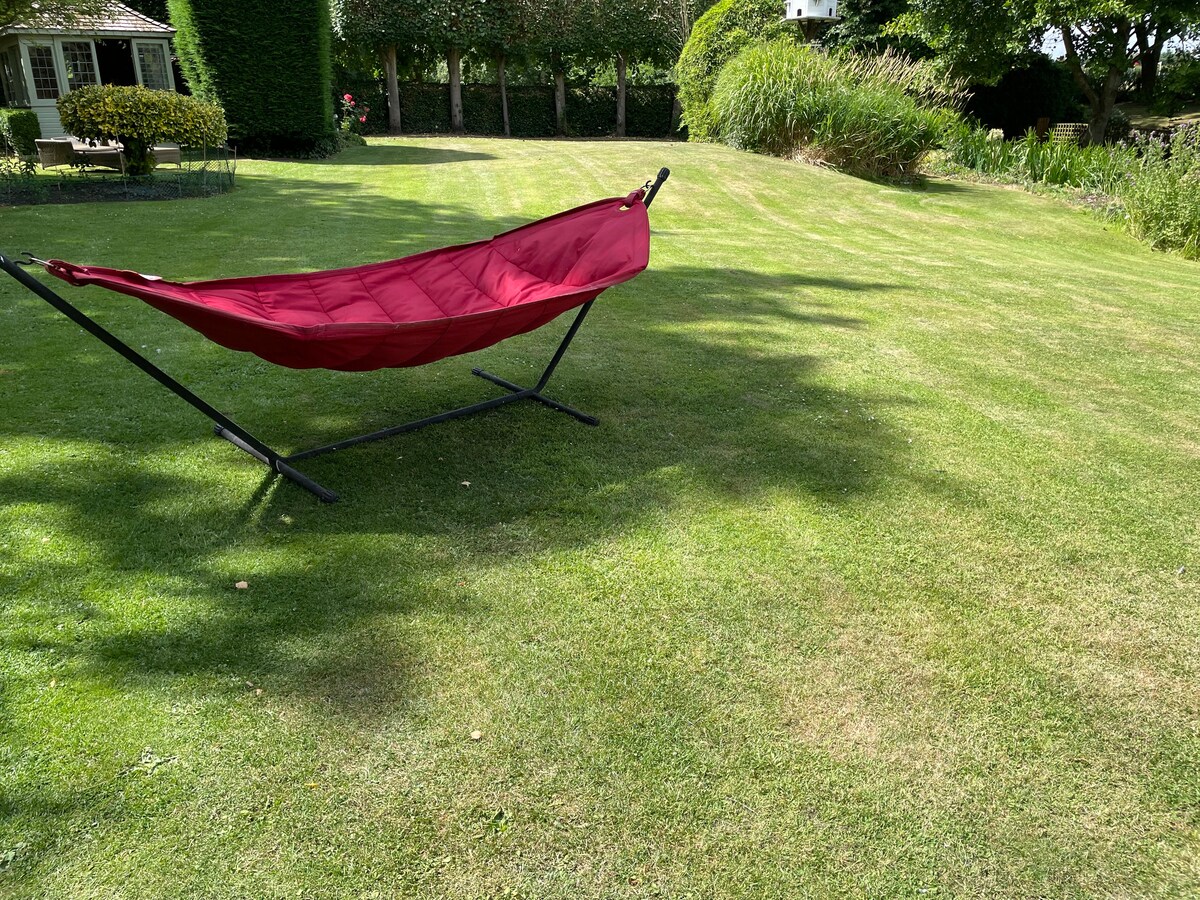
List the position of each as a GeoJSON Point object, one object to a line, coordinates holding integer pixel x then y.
{"type": "Point", "coordinates": [406, 312]}
{"type": "Point", "coordinates": [411, 311]}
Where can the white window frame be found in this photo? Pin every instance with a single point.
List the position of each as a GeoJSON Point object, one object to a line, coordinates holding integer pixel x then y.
{"type": "Point", "coordinates": [61, 57]}
{"type": "Point", "coordinates": [56, 55]}
{"type": "Point", "coordinates": [137, 60]}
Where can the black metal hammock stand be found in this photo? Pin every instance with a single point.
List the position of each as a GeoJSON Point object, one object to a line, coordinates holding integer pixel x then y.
{"type": "Point", "coordinates": [404, 312]}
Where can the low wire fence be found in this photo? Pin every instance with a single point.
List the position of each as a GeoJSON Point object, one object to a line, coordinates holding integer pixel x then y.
{"type": "Point", "coordinates": [200, 172]}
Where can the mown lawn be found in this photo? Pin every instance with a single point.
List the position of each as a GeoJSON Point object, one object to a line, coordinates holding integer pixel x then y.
{"type": "Point", "coordinates": [879, 577]}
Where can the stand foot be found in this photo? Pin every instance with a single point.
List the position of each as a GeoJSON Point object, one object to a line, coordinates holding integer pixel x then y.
{"type": "Point", "coordinates": [532, 394]}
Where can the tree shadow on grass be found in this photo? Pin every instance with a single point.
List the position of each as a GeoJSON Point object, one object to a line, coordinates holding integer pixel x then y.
{"type": "Point", "coordinates": [702, 400]}
{"type": "Point", "coordinates": [399, 155]}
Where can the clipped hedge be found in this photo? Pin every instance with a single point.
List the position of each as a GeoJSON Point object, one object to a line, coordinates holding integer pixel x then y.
{"type": "Point", "coordinates": [591, 110]}
{"type": "Point", "coordinates": [19, 128]}
{"type": "Point", "coordinates": [530, 110]}
{"type": "Point", "coordinates": [267, 63]}
{"type": "Point", "coordinates": [425, 108]}
{"type": "Point", "coordinates": [140, 118]}
{"type": "Point", "coordinates": [718, 36]}
{"type": "Point", "coordinates": [649, 109]}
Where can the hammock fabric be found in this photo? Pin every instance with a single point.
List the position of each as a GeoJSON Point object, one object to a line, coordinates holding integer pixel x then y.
{"type": "Point", "coordinates": [411, 311]}
{"type": "Point", "coordinates": [406, 312]}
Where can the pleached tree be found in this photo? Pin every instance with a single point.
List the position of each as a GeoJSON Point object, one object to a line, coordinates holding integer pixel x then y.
{"type": "Point", "coordinates": [627, 32]}
{"type": "Point", "coordinates": [451, 28]}
{"type": "Point", "coordinates": [389, 27]}
{"type": "Point", "coordinates": [502, 35]}
{"type": "Point", "coordinates": [559, 38]}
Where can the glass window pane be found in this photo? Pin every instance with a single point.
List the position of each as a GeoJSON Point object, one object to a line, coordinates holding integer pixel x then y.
{"type": "Point", "coordinates": [152, 61]}
{"type": "Point", "coordinates": [81, 68]}
{"type": "Point", "coordinates": [11, 63]}
{"type": "Point", "coordinates": [45, 77]}
{"type": "Point", "coordinates": [7, 81]}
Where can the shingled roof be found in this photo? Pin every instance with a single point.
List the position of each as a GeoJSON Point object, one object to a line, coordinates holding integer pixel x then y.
{"type": "Point", "coordinates": [117, 18]}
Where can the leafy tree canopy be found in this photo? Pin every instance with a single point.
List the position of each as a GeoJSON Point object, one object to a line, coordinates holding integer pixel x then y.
{"type": "Point", "coordinates": [980, 39]}
{"type": "Point", "coordinates": [30, 12]}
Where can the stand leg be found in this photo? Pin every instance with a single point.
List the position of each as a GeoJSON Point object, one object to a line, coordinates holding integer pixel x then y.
{"type": "Point", "coordinates": [276, 463]}
{"type": "Point", "coordinates": [553, 404]}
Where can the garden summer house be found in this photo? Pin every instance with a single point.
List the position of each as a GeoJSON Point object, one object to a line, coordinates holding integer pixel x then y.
{"type": "Point", "coordinates": [41, 61]}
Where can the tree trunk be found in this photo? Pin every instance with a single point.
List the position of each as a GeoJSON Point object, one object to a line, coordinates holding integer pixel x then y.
{"type": "Point", "coordinates": [393, 90]}
{"type": "Point", "coordinates": [1101, 99]}
{"type": "Point", "coordinates": [620, 95]}
{"type": "Point", "coordinates": [503, 93]}
{"type": "Point", "coordinates": [1102, 112]}
{"type": "Point", "coordinates": [560, 94]}
{"type": "Point", "coordinates": [1150, 52]}
{"type": "Point", "coordinates": [1150, 64]}
{"type": "Point", "coordinates": [454, 64]}
{"type": "Point", "coordinates": [1149, 82]}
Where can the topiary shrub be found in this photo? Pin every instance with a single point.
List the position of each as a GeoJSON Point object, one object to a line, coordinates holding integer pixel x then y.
{"type": "Point", "coordinates": [870, 116]}
{"type": "Point", "coordinates": [718, 36]}
{"type": "Point", "coordinates": [267, 63]}
{"type": "Point", "coordinates": [140, 118]}
{"type": "Point", "coordinates": [19, 128]}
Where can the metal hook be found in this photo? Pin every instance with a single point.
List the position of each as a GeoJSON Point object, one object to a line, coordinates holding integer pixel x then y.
{"type": "Point", "coordinates": [31, 261]}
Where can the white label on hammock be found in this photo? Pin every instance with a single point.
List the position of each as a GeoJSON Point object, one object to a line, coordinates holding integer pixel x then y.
{"type": "Point", "coordinates": [150, 277]}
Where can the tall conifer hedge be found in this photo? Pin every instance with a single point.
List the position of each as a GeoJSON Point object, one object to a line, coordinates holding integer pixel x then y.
{"type": "Point", "coordinates": [267, 63]}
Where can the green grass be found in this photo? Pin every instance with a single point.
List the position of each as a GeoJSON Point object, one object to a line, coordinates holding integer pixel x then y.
{"type": "Point", "coordinates": [872, 581]}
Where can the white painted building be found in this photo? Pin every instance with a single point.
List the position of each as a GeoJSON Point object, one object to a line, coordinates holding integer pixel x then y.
{"type": "Point", "coordinates": [42, 61]}
{"type": "Point", "coordinates": [800, 10]}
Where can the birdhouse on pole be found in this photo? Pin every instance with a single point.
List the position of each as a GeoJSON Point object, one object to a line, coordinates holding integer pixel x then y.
{"type": "Point", "coordinates": [812, 15]}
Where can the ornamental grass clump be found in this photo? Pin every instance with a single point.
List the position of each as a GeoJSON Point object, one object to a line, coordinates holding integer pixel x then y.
{"type": "Point", "coordinates": [139, 118]}
{"type": "Point", "coordinates": [872, 117]}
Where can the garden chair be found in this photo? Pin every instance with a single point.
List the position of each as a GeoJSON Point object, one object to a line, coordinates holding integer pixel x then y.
{"type": "Point", "coordinates": [55, 152]}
